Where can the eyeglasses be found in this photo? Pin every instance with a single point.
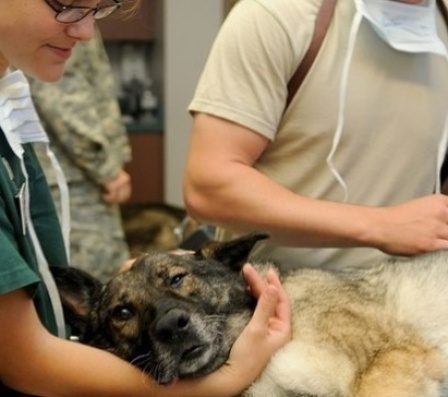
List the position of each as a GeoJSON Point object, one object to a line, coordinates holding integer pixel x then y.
{"type": "Point", "coordinates": [73, 14]}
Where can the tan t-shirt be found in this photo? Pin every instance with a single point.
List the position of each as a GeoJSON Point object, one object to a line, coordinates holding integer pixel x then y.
{"type": "Point", "coordinates": [395, 111]}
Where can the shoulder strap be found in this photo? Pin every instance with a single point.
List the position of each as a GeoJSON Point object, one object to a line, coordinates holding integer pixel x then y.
{"type": "Point", "coordinates": [443, 11]}
{"type": "Point", "coordinates": [322, 22]}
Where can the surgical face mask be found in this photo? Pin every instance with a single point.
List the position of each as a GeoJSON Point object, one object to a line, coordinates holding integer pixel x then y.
{"type": "Point", "coordinates": [405, 27]}
{"type": "Point", "coordinates": [20, 124]}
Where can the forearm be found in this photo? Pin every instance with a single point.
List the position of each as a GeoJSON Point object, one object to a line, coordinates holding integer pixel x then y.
{"type": "Point", "coordinates": [69, 369]}
{"type": "Point", "coordinates": [240, 198]}
{"type": "Point", "coordinates": [221, 186]}
{"type": "Point", "coordinates": [35, 362]}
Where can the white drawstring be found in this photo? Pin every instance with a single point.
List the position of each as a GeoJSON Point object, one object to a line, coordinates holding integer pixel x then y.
{"type": "Point", "coordinates": [42, 263]}
{"type": "Point", "coordinates": [342, 103]}
{"type": "Point", "coordinates": [435, 46]}
{"type": "Point", "coordinates": [64, 199]}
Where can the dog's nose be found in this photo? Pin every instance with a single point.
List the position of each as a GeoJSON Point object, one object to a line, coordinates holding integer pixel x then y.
{"type": "Point", "coordinates": [173, 325]}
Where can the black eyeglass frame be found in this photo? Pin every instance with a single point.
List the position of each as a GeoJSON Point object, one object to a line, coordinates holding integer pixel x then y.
{"type": "Point", "coordinates": [59, 8]}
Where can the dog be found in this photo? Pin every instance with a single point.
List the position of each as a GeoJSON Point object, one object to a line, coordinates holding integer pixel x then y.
{"type": "Point", "coordinates": [381, 332]}
{"type": "Point", "coordinates": [156, 227]}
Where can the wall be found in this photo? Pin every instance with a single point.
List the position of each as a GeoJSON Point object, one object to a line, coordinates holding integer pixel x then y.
{"type": "Point", "coordinates": [189, 28]}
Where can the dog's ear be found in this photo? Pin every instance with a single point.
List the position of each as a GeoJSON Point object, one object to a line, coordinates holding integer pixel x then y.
{"type": "Point", "coordinates": [78, 291]}
{"type": "Point", "coordinates": [232, 253]}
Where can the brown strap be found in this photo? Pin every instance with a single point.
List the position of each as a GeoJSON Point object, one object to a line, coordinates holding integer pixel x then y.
{"type": "Point", "coordinates": [321, 24]}
{"type": "Point", "coordinates": [443, 11]}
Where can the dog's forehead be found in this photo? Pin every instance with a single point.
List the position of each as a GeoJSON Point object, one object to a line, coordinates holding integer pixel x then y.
{"type": "Point", "coordinates": [153, 276]}
{"type": "Point", "coordinates": [157, 265]}
{"type": "Point", "coordinates": [150, 269]}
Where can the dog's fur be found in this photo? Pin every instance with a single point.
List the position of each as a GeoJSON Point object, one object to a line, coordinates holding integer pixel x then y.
{"type": "Point", "coordinates": [152, 227]}
{"type": "Point", "coordinates": [382, 332]}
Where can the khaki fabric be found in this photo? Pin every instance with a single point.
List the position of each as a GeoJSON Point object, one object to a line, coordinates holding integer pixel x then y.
{"type": "Point", "coordinates": [395, 110]}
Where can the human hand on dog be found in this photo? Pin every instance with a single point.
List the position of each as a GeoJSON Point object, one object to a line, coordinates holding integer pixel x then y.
{"type": "Point", "coordinates": [272, 316]}
{"type": "Point", "coordinates": [268, 330]}
{"type": "Point", "coordinates": [411, 228]}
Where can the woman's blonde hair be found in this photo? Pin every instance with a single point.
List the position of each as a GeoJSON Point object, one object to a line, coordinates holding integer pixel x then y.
{"type": "Point", "coordinates": [130, 7]}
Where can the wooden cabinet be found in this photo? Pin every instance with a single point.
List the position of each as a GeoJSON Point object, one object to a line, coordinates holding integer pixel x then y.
{"type": "Point", "coordinates": [146, 167]}
{"type": "Point", "coordinates": [139, 29]}
{"type": "Point", "coordinates": [139, 26]}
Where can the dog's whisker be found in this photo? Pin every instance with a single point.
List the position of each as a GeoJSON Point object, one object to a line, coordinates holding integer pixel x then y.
{"type": "Point", "coordinates": [139, 360]}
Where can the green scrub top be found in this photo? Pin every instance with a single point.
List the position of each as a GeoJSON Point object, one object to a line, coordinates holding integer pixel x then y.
{"type": "Point", "coordinates": [18, 264]}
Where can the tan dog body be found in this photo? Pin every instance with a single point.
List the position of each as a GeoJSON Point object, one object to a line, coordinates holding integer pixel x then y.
{"type": "Point", "coordinates": [381, 332]}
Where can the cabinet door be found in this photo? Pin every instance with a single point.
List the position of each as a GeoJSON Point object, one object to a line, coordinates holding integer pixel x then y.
{"type": "Point", "coordinates": [146, 167]}
{"type": "Point", "coordinates": [137, 26]}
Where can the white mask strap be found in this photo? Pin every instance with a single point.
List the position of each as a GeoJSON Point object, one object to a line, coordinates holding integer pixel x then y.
{"type": "Point", "coordinates": [65, 198]}
{"type": "Point", "coordinates": [342, 102]}
{"type": "Point", "coordinates": [44, 269]}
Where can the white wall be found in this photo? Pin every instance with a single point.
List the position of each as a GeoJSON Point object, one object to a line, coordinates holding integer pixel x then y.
{"type": "Point", "coordinates": [189, 28]}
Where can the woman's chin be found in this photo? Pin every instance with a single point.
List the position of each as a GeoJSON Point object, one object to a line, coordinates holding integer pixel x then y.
{"type": "Point", "coordinates": [48, 74]}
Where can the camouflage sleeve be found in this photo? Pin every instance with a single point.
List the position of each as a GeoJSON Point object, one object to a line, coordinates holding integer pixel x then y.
{"type": "Point", "coordinates": [81, 114]}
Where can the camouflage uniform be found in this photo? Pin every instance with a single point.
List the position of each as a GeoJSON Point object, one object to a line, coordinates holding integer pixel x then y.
{"type": "Point", "coordinates": [82, 118]}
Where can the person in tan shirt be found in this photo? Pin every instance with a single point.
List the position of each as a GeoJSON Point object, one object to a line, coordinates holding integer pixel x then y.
{"type": "Point", "coordinates": [348, 173]}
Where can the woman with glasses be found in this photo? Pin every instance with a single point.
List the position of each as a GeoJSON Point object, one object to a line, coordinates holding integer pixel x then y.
{"type": "Point", "coordinates": [36, 38]}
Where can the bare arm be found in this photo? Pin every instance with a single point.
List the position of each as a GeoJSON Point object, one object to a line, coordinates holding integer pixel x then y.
{"type": "Point", "coordinates": [223, 188]}
{"type": "Point", "coordinates": [35, 362]}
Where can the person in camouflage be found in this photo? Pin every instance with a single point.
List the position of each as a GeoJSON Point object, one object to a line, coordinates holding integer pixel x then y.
{"type": "Point", "coordinates": [81, 116]}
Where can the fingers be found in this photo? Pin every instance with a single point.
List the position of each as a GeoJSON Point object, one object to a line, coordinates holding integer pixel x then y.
{"type": "Point", "coordinates": [269, 328]}
{"type": "Point", "coordinates": [273, 300]}
{"type": "Point", "coordinates": [268, 295]}
{"type": "Point", "coordinates": [119, 189]}
{"type": "Point", "coordinates": [283, 309]}
{"type": "Point", "coordinates": [254, 280]}
{"type": "Point", "coordinates": [266, 308]}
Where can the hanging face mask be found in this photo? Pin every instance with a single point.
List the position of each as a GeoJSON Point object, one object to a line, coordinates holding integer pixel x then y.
{"type": "Point", "coordinates": [405, 27]}
{"type": "Point", "coordinates": [20, 124]}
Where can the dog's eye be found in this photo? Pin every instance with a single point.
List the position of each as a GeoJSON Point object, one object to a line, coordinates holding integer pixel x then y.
{"type": "Point", "coordinates": [176, 281]}
{"type": "Point", "coordinates": [122, 313]}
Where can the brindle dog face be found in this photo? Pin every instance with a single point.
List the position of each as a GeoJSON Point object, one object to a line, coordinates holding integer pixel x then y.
{"type": "Point", "coordinates": [174, 316]}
